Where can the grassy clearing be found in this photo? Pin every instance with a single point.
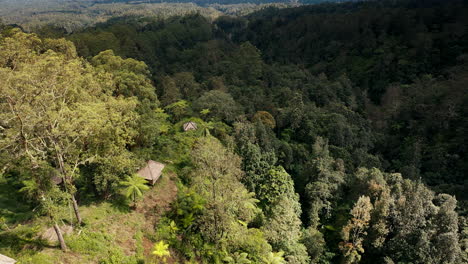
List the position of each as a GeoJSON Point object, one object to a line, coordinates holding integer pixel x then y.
{"type": "Point", "coordinates": [112, 233]}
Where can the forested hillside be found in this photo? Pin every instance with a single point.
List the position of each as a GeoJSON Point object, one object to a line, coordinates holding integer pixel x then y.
{"type": "Point", "coordinates": [332, 133]}
{"type": "Point", "coordinates": [71, 15]}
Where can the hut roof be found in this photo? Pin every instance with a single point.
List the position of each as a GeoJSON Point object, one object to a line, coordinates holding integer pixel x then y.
{"type": "Point", "coordinates": [190, 126]}
{"type": "Point", "coordinates": [152, 171]}
{"type": "Point", "coordinates": [6, 260]}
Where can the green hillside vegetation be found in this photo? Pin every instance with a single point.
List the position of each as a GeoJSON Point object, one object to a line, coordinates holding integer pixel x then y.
{"type": "Point", "coordinates": [342, 146]}
{"type": "Point", "coordinates": [72, 15]}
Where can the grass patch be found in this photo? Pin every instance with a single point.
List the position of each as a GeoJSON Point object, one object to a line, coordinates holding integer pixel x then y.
{"type": "Point", "coordinates": [21, 240]}
{"type": "Point", "coordinates": [111, 234]}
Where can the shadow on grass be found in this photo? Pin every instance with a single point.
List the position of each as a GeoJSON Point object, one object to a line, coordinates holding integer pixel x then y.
{"type": "Point", "coordinates": [120, 203]}
{"type": "Point", "coordinates": [23, 239]}
{"type": "Point", "coordinates": [117, 201]}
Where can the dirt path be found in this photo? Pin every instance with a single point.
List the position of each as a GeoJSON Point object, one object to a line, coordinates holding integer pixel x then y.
{"type": "Point", "coordinates": [155, 204]}
{"type": "Point", "coordinates": [158, 201]}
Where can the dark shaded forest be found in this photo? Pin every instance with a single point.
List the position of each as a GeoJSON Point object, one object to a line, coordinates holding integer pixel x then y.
{"type": "Point", "coordinates": [338, 130]}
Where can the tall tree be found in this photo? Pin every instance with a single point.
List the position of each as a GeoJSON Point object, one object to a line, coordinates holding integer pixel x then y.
{"type": "Point", "coordinates": [355, 231]}
{"type": "Point", "coordinates": [326, 179]}
{"type": "Point", "coordinates": [56, 110]}
{"type": "Point", "coordinates": [216, 178]}
{"type": "Point", "coordinates": [38, 187]}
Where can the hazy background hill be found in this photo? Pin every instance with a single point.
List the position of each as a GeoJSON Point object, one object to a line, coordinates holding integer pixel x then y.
{"type": "Point", "coordinates": [74, 14]}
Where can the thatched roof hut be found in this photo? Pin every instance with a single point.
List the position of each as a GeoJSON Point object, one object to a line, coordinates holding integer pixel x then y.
{"type": "Point", "coordinates": [6, 260]}
{"type": "Point", "coordinates": [190, 126]}
{"type": "Point", "coordinates": [152, 171]}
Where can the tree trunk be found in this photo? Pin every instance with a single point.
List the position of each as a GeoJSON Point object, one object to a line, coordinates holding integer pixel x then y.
{"type": "Point", "coordinates": [67, 180]}
{"type": "Point", "coordinates": [77, 211]}
{"type": "Point", "coordinates": [63, 246]}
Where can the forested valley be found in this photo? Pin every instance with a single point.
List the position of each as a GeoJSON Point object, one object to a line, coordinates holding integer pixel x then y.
{"type": "Point", "coordinates": [328, 133]}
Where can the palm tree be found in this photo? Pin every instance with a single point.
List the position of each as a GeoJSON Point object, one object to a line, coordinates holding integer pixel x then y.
{"type": "Point", "coordinates": [205, 127]}
{"type": "Point", "coordinates": [134, 187]}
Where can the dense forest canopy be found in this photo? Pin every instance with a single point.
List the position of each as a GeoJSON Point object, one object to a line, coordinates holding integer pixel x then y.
{"type": "Point", "coordinates": [71, 15]}
{"type": "Point", "coordinates": [331, 133]}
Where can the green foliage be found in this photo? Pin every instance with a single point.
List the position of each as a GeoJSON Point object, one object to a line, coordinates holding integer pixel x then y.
{"type": "Point", "coordinates": [325, 183]}
{"type": "Point", "coordinates": [189, 205]}
{"type": "Point", "coordinates": [161, 251]}
{"type": "Point", "coordinates": [314, 242]}
{"type": "Point", "coordinates": [89, 242]}
{"type": "Point", "coordinates": [14, 241]}
{"type": "Point", "coordinates": [274, 258]}
{"type": "Point", "coordinates": [178, 109]}
{"type": "Point", "coordinates": [266, 118]}
{"type": "Point", "coordinates": [283, 230]}
{"type": "Point", "coordinates": [321, 113]}
{"type": "Point", "coordinates": [251, 241]}
{"type": "Point", "coordinates": [131, 76]}
{"type": "Point", "coordinates": [385, 42]}
{"type": "Point", "coordinates": [238, 258]}
{"type": "Point", "coordinates": [216, 179]}
{"type": "Point", "coordinates": [134, 187]}
{"type": "Point", "coordinates": [221, 105]}
{"type": "Point", "coordinates": [107, 173]}
{"type": "Point", "coordinates": [403, 219]}
{"type": "Point", "coordinates": [57, 114]}
{"type": "Point", "coordinates": [276, 185]}
{"type": "Point", "coordinates": [355, 231]}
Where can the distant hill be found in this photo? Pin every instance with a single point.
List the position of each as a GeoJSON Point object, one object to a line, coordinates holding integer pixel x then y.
{"type": "Point", "coordinates": [209, 2]}
{"type": "Point", "coordinates": [75, 14]}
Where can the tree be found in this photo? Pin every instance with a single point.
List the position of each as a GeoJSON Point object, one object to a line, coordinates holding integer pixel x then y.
{"type": "Point", "coordinates": [283, 230]}
{"type": "Point", "coordinates": [187, 85]}
{"type": "Point", "coordinates": [408, 222]}
{"type": "Point", "coordinates": [424, 226]}
{"type": "Point", "coordinates": [134, 187]}
{"type": "Point", "coordinates": [50, 198]}
{"type": "Point", "coordinates": [255, 163]}
{"type": "Point", "coordinates": [56, 111]}
{"type": "Point", "coordinates": [354, 232]}
{"type": "Point", "coordinates": [171, 93]}
{"type": "Point", "coordinates": [132, 79]}
{"type": "Point", "coordinates": [282, 209]}
{"type": "Point", "coordinates": [205, 127]}
{"type": "Point", "coordinates": [178, 109]}
{"type": "Point", "coordinates": [130, 76]}
{"type": "Point", "coordinates": [314, 241]}
{"type": "Point", "coordinates": [274, 186]}
{"type": "Point", "coordinates": [246, 67]}
{"type": "Point", "coordinates": [327, 176]}
{"type": "Point", "coordinates": [221, 105]}
{"type": "Point", "coordinates": [107, 172]}
{"type": "Point", "coordinates": [266, 118]}
{"type": "Point", "coordinates": [216, 178]}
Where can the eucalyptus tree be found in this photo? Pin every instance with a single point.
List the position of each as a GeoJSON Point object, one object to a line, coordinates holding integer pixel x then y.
{"type": "Point", "coordinates": [56, 110]}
